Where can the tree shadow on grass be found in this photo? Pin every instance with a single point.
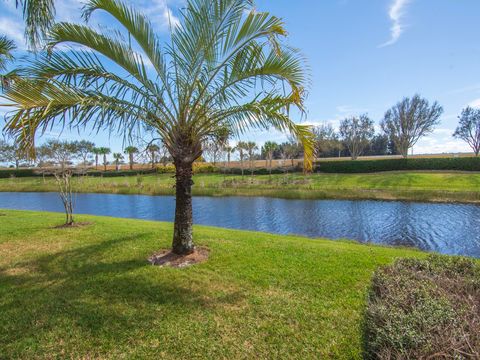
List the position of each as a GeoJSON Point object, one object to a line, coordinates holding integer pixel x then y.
{"type": "Point", "coordinates": [95, 294]}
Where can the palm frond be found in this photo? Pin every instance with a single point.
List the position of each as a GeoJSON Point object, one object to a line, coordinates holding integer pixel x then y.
{"type": "Point", "coordinates": [6, 48]}
{"type": "Point", "coordinates": [39, 17]}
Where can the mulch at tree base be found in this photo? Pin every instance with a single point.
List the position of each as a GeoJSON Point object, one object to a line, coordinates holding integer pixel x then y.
{"type": "Point", "coordinates": [74, 225]}
{"type": "Point", "coordinates": [167, 258]}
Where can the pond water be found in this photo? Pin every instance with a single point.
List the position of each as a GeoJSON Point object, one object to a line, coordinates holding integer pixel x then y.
{"type": "Point", "coordinates": [445, 228]}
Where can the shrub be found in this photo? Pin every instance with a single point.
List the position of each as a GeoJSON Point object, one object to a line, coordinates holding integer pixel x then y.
{"type": "Point", "coordinates": [420, 309]}
{"type": "Point", "coordinates": [263, 171]}
{"type": "Point", "coordinates": [96, 173]}
{"type": "Point", "coordinates": [8, 173]}
{"type": "Point", "coordinates": [367, 166]}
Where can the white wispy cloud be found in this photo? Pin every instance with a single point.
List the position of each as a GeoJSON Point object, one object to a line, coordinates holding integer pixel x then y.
{"type": "Point", "coordinates": [475, 103]}
{"type": "Point", "coordinates": [441, 141]}
{"type": "Point", "coordinates": [13, 29]}
{"type": "Point", "coordinates": [396, 14]}
{"type": "Point", "coordinates": [160, 13]}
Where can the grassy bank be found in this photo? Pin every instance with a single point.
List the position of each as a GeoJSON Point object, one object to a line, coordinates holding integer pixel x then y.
{"type": "Point", "coordinates": [419, 186]}
{"type": "Point", "coordinates": [89, 292]}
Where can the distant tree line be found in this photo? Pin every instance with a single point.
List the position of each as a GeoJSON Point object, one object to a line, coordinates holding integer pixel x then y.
{"type": "Point", "coordinates": [63, 154]}
{"type": "Point", "coordinates": [401, 128]}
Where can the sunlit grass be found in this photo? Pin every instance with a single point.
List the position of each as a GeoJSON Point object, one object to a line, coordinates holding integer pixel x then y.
{"type": "Point", "coordinates": [428, 186]}
{"type": "Point", "coordinates": [89, 292]}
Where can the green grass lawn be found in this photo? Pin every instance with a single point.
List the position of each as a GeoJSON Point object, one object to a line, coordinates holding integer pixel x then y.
{"type": "Point", "coordinates": [89, 292]}
{"type": "Point", "coordinates": [421, 186]}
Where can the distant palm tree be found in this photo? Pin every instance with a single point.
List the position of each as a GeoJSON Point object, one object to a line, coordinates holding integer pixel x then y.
{"type": "Point", "coordinates": [224, 65]}
{"type": "Point", "coordinates": [229, 150]}
{"type": "Point", "coordinates": [104, 151]}
{"type": "Point", "coordinates": [118, 157]}
{"type": "Point", "coordinates": [153, 150]}
{"type": "Point", "coordinates": [269, 148]}
{"type": "Point", "coordinates": [251, 147]}
{"type": "Point", "coordinates": [97, 151]}
{"type": "Point", "coordinates": [241, 148]}
{"type": "Point", "coordinates": [131, 151]}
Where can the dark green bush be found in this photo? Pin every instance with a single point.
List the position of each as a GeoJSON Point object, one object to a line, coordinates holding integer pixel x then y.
{"type": "Point", "coordinates": [96, 173]}
{"type": "Point", "coordinates": [367, 166]}
{"type": "Point", "coordinates": [7, 173]}
{"type": "Point", "coordinates": [261, 171]}
{"type": "Point", "coordinates": [422, 309]}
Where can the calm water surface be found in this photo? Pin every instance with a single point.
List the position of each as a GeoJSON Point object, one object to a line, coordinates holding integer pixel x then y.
{"type": "Point", "coordinates": [445, 228]}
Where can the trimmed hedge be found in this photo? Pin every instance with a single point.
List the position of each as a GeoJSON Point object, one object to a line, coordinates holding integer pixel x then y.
{"type": "Point", "coordinates": [112, 173]}
{"type": "Point", "coordinates": [424, 309]}
{"type": "Point", "coordinates": [261, 171]}
{"type": "Point", "coordinates": [4, 174]}
{"type": "Point", "coordinates": [368, 166]}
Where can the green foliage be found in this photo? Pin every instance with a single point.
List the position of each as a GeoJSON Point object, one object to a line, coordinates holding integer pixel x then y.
{"type": "Point", "coordinates": [265, 171]}
{"type": "Point", "coordinates": [418, 309]}
{"type": "Point", "coordinates": [369, 166]}
{"type": "Point", "coordinates": [9, 173]}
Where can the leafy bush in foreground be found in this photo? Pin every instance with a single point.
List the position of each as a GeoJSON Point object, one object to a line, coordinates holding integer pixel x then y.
{"type": "Point", "coordinates": [367, 166]}
{"type": "Point", "coordinates": [421, 309]}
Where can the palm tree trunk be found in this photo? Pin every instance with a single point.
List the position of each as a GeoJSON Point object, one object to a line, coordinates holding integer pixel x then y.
{"type": "Point", "coordinates": [131, 161]}
{"type": "Point", "coordinates": [182, 235]}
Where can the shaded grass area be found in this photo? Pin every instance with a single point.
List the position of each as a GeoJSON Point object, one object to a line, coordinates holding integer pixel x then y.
{"type": "Point", "coordinates": [89, 292]}
{"type": "Point", "coordinates": [419, 186]}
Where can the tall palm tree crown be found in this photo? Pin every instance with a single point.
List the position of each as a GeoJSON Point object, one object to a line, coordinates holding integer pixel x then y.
{"type": "Point", "coordinates": [225, 66]}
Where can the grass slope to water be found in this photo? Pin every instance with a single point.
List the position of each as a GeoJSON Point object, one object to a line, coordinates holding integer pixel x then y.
{"type": "Point", "coordinates": [89, 292]}
{"type": "Point", "coordinates": [420, 186]}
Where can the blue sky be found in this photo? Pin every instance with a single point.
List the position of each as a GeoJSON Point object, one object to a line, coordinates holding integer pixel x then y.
{"type": "Point", "coordinates": [364, 56]}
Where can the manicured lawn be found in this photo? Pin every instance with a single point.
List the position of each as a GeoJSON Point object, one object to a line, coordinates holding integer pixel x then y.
{"type": "Point", "coordinates": [88, 292]}
{"type": "Point", "coordinates": [421, 186]}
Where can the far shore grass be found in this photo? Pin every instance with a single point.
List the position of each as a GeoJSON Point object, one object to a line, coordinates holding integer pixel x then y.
{"type": "Point", "coordinates": [413, 186]}
{"type": "Point", "coordinates": [89, 292]}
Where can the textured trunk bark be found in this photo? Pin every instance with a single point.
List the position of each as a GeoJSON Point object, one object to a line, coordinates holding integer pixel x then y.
{"type": "Point", "coordinates": [131, 160]}
{"type": "Point", "coordinates": [182, 235]}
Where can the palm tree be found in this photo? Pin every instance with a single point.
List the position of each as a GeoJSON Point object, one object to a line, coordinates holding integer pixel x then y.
{"type": "Point", "coordinates": [97, 151]}
{"type": "Point", "coordinates": [118, 157]}
{"type": "Point", "coordinates": [131, 151]}
{"type": "Point", "coordinates": [153, 150]}
{"type": "Point", "coordinates": [269, 148]}
{"type": "Point", "coordinates": [251, 147]}
{"type": "Point", "coordinates": [104, 151]}
{"type": "Point", "coordinates": [223, 66]}
{"type": "Point", "coordinates": [241, 148]}
{"type": "Point", "coordinates": [6, 48]}
{"type": "Point", "coordinates": [229, 150]}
